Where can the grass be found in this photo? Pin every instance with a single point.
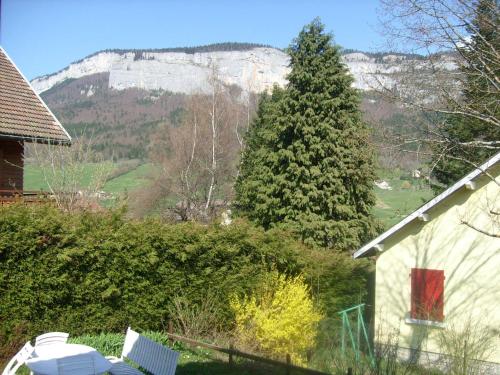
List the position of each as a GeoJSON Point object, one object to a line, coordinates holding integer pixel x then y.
{"type": "Point", "coordinates": [131, 180]}
{"type": "Point", "coordinates": [34, 179]}
{"type": "Point", "coordinates": [392, 205]}
{"type": "Point", "coordinates": [201, 361]}
{"type": "Point", "coordinates": [126, 182]}
{"type": "Point", "coordinates": [406, 196]}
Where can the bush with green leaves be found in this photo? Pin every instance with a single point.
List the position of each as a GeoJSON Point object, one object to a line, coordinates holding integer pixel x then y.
{"type": "Point", "coordinates": [89, 272]}
{"type": "Point", "coordinates": [101, 272]}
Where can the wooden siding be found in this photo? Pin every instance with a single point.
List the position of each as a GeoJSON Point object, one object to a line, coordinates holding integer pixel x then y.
{"type": "Point", "coordinates": [11, 165]}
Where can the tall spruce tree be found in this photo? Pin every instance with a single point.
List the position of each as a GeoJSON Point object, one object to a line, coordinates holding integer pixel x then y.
{"type": "Point", "coordinates": [308, 165]}
{"type": "Point", "coordinates": [480, 93]}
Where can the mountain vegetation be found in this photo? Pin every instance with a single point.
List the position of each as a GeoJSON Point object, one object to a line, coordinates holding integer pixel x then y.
{"type": "Point", "coordinates": [308, 165]}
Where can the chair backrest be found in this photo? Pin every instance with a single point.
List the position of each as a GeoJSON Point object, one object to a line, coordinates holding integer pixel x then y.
{"type": "Point", "coordinates": [76, 365]}
{"type": "Point", "coordinates": [19, 359]}
{"type": "Point", "coordinates": [51, 338]}
{"type": "Point", "coordinates": [153, 357]}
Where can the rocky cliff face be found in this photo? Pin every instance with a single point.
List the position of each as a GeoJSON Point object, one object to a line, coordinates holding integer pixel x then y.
{"type": "Point", "coordinates": [256, 69]}
{"type": "Point", "coordinates": [253, 70]}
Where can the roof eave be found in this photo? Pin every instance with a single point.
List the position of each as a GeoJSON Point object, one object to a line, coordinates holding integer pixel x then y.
{"type": "Point", "coordinates": [41, 140]}
{"type": "Point", "coordinates": [366, 250]}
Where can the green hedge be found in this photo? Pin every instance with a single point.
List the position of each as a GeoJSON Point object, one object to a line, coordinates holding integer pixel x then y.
{"type": "Point", "coordinates": [91, 273]}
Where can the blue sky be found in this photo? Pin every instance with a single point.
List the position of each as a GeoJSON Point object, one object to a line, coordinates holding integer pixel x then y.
{"type": "Point", "coordinates": [43, 36]}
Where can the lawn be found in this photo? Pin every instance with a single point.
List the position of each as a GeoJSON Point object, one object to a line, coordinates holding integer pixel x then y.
{"type": "Point", "coordinates": [201, 361]}
{"type": "Point", "coordinates": [406, 196]}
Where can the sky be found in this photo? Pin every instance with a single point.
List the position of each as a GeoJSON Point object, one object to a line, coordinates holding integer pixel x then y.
{"type": "Point", "coordinates": [44, 36]}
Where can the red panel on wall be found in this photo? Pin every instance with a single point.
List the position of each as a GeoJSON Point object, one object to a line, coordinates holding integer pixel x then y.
{"type": "Point", "coordinates": [427, 294]}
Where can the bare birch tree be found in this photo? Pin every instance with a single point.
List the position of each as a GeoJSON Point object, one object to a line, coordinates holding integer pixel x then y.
{"type": "Point", "coordinates": [74, 175]}
{"type": "Point", "coordinates": [215, 113]}
{"type": "Point", "coordinates": [197, 159]}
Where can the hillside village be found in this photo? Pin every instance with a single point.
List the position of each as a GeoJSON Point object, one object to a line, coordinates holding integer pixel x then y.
{"type": "Point", "coordinates": [240, 208]}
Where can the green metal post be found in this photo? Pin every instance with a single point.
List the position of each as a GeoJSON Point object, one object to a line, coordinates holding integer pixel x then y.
{"type": "Point", "coordinates": [360, 325]}
{"type": "Point", "coordinates": [343, 334]}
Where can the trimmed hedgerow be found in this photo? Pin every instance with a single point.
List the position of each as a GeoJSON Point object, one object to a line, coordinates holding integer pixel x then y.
{"type": "Point", "coordinates": [87, 273]}
{"type": "Point", "coordinates": [100, 272]}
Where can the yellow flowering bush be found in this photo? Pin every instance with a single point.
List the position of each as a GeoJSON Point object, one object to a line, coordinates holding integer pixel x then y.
{"type": "Point", "coordinates": [279, 319]}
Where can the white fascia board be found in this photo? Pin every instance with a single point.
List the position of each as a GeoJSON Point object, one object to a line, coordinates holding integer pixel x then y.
{"type": "Point", "coordinates": [420, 211]}
{"type": "Point", "coordinates": [38, 96]}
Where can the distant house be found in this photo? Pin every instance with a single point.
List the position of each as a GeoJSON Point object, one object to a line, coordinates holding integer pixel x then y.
{"type": "Point", "coordinates": [438, 274]}
{"type": "Point", "coordinates": [24, 117]}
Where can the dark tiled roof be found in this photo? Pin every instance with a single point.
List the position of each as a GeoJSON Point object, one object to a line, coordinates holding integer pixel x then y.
{"type": "Point", "coordinates": [23, 114]}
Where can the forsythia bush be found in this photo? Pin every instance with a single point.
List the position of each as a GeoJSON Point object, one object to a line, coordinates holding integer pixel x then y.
{"type": "Point", "coordinates": [281, 319]}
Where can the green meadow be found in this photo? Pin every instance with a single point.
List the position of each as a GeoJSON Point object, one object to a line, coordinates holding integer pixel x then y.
{"type": "Point", "coordinates": [128, 180]}
{"type": "Point", "coordinates": [406, 195]}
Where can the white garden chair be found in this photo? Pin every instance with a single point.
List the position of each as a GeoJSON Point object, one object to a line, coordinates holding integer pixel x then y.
{"type": "Point", "coordinates": [19, 359]}
{"type": "Point", "coordinates": [76, 365]}
{"type": "Point", "coordinates": [153, 357]}
{"type": "Point", "coordinates": [51, 338]}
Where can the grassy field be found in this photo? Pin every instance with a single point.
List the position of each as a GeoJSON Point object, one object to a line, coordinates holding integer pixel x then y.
{"type": "Point", "coordinates": [131, 180]}
{"type": "Point", "coordinates": [392, 205]}
{"type": "Point", "coordinates": [406, 195]}
{"type": "Point", "coordinates": [126, 182]}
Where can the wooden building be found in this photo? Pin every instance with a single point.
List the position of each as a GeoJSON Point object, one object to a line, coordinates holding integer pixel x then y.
{"type": "Point", "coordinates": [24, 117]}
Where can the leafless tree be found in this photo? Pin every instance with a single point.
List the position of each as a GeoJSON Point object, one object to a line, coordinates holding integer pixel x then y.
{"type": "Point", "coordinates": [198, 158]}
{"type": "Point", "coordinates": [457, 77]}
{"type": "Point", "coordinates": [64, 169]}
{"type": "Point", "coordinates": [442, 31]}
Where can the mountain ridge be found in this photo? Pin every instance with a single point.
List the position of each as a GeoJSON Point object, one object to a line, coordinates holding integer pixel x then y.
{"type": "Point", "coordinates": [190, 50]}
{"type": "Point", "coordinates": [252, 67]}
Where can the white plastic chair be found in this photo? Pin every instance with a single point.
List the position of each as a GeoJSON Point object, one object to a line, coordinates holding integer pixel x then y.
{"type": "Point", "coordinates": [51, 338]}
{"type": "Point", "coordinates": [76, 365]}
{"type": "Point", "coordinates": [151, 356]}
{"type": "Point", "coordinates": [19, 359]}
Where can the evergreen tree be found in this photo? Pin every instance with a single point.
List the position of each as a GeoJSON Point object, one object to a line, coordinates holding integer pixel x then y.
{"type": "Point", "coordinates": [480, 94]}
{"type": "Point", "coordinates": [307, 165]}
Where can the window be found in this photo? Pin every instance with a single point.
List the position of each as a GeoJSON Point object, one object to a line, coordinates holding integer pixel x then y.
{"type": "Point", "coordinates": [427, 294]}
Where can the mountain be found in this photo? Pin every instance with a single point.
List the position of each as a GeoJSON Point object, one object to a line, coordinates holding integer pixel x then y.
{"type": "Point", "coordinates": [251, 67]}
{"type": "Point", "coordinates": [122, 97]}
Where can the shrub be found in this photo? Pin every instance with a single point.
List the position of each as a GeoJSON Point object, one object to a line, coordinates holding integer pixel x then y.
{"type": "Point", "coordinates": [406, 185]}
{"type": "Point", "coordinates": [87, 273]}
{"type": "Point", "coordinates": [466, 346]}
{"type": "Point", "coordinates": [198, 321]}
{"type": "Point", "coordinates": [280, 317]}
{"type": "Point", "coordinates": [91, 273]}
